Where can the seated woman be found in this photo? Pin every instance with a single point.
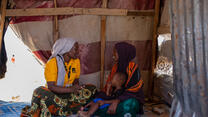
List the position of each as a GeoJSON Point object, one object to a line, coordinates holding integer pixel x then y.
{"type": "Point", "coordinates": [131, 101]}
{"type": "Point", "coordinates": [104, 99]}
{"type": "Point", "coordinates": [63, 95]}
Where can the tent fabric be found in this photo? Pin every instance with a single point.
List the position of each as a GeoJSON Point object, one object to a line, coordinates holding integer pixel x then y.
{"type": "Point", "coordinates": [36, 32]}
{"type": "Point", "coordinates": [3, 59]}
{"type": "Point", "coordinates": [3, 54]}
{"type": "Point", "coordinates": [164, 25]}
{"type": "Point", "coordinates": [165, 17]}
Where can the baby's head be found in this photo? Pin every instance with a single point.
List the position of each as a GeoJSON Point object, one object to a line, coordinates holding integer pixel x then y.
{"type": "Point", "coordinates": [119, 79]}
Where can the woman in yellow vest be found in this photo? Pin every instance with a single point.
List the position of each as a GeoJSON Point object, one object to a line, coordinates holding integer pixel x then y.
{"type": "Point", "coordinates": [63, 95]}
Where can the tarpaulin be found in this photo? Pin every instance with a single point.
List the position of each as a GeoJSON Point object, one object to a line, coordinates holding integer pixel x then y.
{"type": "Point", "coordinates": [11, 109]}
{"type": "Point", "coordinates": [163, 80]}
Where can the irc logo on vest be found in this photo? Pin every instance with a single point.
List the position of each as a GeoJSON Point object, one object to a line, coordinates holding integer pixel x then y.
{"type": "Point", "coordinates": [73, 70]}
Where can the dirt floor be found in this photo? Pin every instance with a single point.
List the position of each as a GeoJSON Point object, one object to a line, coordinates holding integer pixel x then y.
{"type": "Point", "coordinates": [156, 108]}
{"type": "Point", "coordinates": [160, 110]}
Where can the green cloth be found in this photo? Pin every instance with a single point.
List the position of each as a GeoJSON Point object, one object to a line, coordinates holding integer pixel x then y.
{"type": "Point", "coordinates": [128, 108]}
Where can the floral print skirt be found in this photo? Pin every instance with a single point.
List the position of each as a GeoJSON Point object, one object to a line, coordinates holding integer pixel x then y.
{"type": "Point", "coordinates": [46, 103]}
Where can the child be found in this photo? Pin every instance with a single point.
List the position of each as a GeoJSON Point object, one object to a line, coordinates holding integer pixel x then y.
{"type": "Point", "coordinates": [102, 100]}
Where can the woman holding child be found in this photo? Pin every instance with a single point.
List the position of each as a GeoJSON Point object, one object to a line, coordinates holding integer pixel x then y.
{"type": "Point", "coordinates": [129, 101]}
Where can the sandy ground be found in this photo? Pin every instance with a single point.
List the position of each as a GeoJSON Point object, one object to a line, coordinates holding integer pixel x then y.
{"type": "Point", "coordinates": [24, 75]}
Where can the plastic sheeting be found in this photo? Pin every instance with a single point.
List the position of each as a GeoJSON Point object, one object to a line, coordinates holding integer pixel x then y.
{"type": "Point", "coordinates": [14, 109]}
{"type": "Point", "coordinates": [163, 80]}
{"type": "Point", "coordinates": [11, 109]}
{"type": "Point", "coordinates": [190, 57]}
{"type": "Point", "coordinates": [164, 26]}
{"type": "Point", "coordinates": [164, 63]}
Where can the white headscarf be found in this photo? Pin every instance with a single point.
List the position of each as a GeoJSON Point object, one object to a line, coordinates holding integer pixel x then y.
{"type": "Point", "coordinates": [60, 47]}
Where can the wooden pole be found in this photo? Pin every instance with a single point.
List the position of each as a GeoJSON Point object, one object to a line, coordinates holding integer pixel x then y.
{"type": "Point", "coordinates": [103, 44]}
{"type": "Point", "coordinates": [154, 46]}
{"type": "Point", "coordinates": [55, 25]}
{"type": "Point", "coordinates": [2, 22]}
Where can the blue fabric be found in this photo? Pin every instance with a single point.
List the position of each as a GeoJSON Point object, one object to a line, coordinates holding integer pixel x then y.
{"type": "Point", "coordinates": [11, 109]}
{"type": "Point", "coordinates": [103, 106]}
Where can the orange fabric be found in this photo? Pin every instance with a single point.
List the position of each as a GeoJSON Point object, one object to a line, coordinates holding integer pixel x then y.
{"type": "Point", "coordinates": [110, 76]}
{"type": "Point", "coordinates": [114, 69]}
{"type": "Point", "coordinates": [74, 105]}
{"type": "Point", "coordinates": [53, 109]}
{"type": "Point", "coordinates": [13, 59]}
{"type": "Point", "coordinates": [136, 87]}
{"type": "Point", "coordinates": [37, 113]}
{"type": "Point", "coordinates": [130, 70]}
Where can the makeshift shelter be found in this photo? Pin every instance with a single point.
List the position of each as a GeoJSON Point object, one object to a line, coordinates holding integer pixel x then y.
{"type": "Point", "coordinates": [97, 25]}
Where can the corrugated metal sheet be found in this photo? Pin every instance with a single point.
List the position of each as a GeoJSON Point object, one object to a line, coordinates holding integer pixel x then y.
{"type": "Point", "coordinates": [189, 20]}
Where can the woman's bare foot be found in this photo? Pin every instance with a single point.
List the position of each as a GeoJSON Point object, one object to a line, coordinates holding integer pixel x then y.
{"type": "Point", "coordinates": [83, 114]}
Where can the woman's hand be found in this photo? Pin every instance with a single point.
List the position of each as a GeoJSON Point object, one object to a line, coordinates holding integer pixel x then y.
{"type": "Point", "coordinates": [86, 106]}
{"type": "Point", "coordinates": [112, 108]}
{"type": "Point", "coordinates": [75, 88]}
